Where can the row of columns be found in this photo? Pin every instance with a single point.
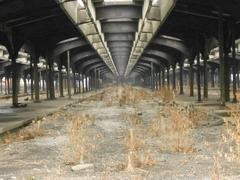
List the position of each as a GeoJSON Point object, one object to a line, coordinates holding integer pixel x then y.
{"type": "Point", "coordinates": [204, 78]}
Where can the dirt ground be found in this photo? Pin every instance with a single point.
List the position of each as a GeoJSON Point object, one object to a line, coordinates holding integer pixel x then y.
{"type": "Point", "coordinates": [44, 157]}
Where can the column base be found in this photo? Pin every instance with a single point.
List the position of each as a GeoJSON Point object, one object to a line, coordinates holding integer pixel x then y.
{"type": "Point", "coordinates": [37, 101]}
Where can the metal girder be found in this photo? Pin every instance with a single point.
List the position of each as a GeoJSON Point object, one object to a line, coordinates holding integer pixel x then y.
{"type": "Point", "coordinates": [119, 11]}
{"type": "Point", "coordinates": [155, 61]}
{"type": "Point", "coordinates": [154, 15]}
{"type": "Point", "coordinates": [120, 44]}
{"type": "Point", "coordinates": [145, 65]}
{"type": "Point", "coordinates": [119, 27]}
{"type": "Point", "coordinates": [95, 66]}
{"type": "Point", "coordinates": [177, 45]}
{"type": "Point", "coordinates": [87, 63]}
{"type": "Point", "coordinates": [142, 68]}
{"type": "Point", "coordinates": [78, 57]}
{"type": "Point", "coordinates": [84, 16]}
{"type": "Point", "coordinates": [119, 37]}
{"type": "Point", "coordinates": [162, 55]}
{"type": "Point", "coordinates": [140, 71]}
{"type": "Point", "coordinates": [61, 48]}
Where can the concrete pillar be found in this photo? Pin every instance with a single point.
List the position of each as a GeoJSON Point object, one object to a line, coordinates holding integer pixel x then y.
{"type": "Point", "coordinates": [68, 75]}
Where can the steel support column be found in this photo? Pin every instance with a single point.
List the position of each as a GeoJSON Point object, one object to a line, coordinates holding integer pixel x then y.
{"type": "Point", "coordinates": [36, 81]}
{"type": "Point", "coordinates": [191, 79]}
{"type": "Point", "coordinates": [181, 78]}
{"type": "Point", "coordinates": [68, 76]}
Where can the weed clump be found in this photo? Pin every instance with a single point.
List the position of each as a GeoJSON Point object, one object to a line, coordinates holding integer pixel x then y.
{"type": "Point", "coordinates": [80, 141]}
{"type": "Point", "coordinates": [173, 126]}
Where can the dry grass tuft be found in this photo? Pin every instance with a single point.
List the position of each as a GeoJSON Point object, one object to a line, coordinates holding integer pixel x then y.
{"type": "Point", "coordinates": [123, 95]}
{"type": "Point", "coordinates": [231, 137]}
{"type": "Point", "coordinates": [81, 145]}
{"type": "Point", "coordinates": [134, 119]}
{"type": "Point", "coordinates": [215, 173]}
{"type": "Point", "coordinates": [173, 126]}
{"type": "Point", "coordinates": [31, 131]}
{"type": "Point", "coordinates": [165, 94]}
{"type": "Point", "coordinates": [132, 141]}
{"type": "Point", "coordinates": [138, 157]}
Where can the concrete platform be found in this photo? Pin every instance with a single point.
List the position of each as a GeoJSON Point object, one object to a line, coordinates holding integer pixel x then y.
{"type": "Point", "coordinates": [12, 118]}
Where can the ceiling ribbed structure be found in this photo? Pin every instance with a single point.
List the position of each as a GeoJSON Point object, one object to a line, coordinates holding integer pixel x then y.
{"type": "Point", "coordinates": [119, 22]}
{"type": "Point", "coordinates": [119, 30]}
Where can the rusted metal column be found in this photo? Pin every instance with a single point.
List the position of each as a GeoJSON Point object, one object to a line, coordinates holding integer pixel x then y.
{"type": "Point", "coordinates": [79, 83]}
{"type": "Point", "coordinates": [1, 86]}
{"type": "Point", "coordinates": [60, 78]}
{"type": "Point", "coordinates": [15, 82]}
{"type": "Point", "coordinates": [191, 79]}
{"type": "Point", "coordinates": [68, 76]}
{"type": "Point", "coordinates": [163, 78]}
{"type": "Point", "coordinates": [221, 57]}
{"type": "Point", "coordinates": [213, 77]}
{"type": "Point", "coordinates": [198, 77]}
{"type": "Point", "coordinates": [36, 80]}
{"type": "Point", "coordinates": [74, 83]}
{"type": "Point", "coordinates": [168, 78]}
{"type": "Point", "coordinates": [205, 76]}
{"type": "Point", "coordinates": [174, 77]}
{"type": "Point", "coordinates": [25, 84]}
{"type": "Point", "coordinates": [181, 78]}
{"type": "Point", "coordinates": [234, 67]}
{"type": "Point", "coordinates": [31, 80]}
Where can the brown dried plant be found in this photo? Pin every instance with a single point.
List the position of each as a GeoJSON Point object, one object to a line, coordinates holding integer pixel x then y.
{"type": "Point", "coordinates": [133, 118]}
{"type": "Point", "coordinates": [80, 145]}
{"type": "Point", "coordinates": [31, 131]}
{"type": "Point", "coordinates": [215, 173]}
{"type": "Point", "coordinates": [173, 125]}
{"type": "Point", "coordinates": [231, 137]}
{"type": "Point", "coordinates": [165, 94]}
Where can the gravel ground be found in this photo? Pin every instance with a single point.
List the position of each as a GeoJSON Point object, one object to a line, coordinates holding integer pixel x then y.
{"type": "Point", "coordinates": [43, 157]}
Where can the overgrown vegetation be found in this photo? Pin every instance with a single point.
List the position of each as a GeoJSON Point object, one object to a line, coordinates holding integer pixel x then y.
{"type": "Point", "coordinates": [32, 131]}
{"type": "Point", "coordinates": [165, 94]}
{"type": "Point", "coordinates": [80, 142]}
{"type": "Point", "coordinates": [173, 125]}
